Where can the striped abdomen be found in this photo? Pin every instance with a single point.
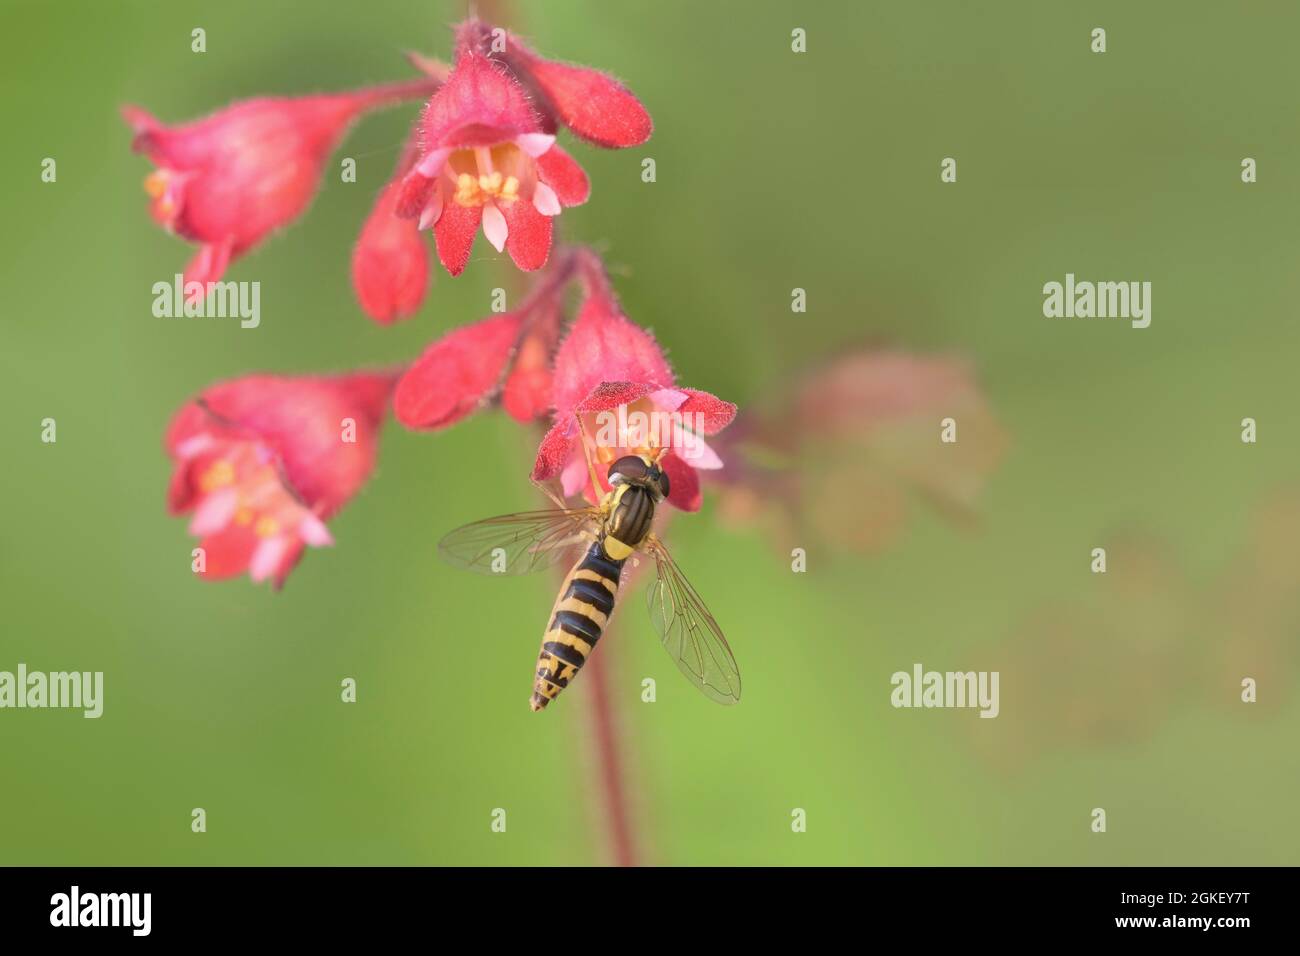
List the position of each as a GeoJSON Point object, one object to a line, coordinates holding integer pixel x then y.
{"type": "Point", "coordinates": [583, 608]}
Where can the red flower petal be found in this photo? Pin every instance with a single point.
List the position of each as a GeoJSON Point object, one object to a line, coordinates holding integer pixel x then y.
{"type": "Point", "coordinates": [227, 553]}
{"type": "Point", "coordinates": [529, 237]}
{"type": "Point", "coordinates": [185, 424]}
{"type": "Point", "coordinates": [390, 264]}
{"type": "Point", "coordinates": [604, 346]}
{"type": "Point", "coordinates": [609, 395]}
{"type": "Point", "coordinates": [288, 562]}
{"type": "Point", "coordinates": [208, 265]}
{"type": "Point", "coordinates": [481, 104]}
{"type": "Point", "coordinates": [562, 173]}
{"type": "Point", "coordinates": [180, 490]}
{"type": "Point", "coordinates": [454, 235]}
{"type": "Point", "coordinates": [456, 374]}
{"type": "Point", "coordinates": [553, 453]}
{"type": "Point", "coordinates": [593, 104]}
{"type": "Point", "coordinates": [717, 413]}
{"type": "Point", "coordinates": [683, 481]}
{"type": "Point", "coordinates": [150, 136]}
{"type": "Point", "coordinates": [413, 195]}
{"type": "Point", "coordinates": [527, 393]}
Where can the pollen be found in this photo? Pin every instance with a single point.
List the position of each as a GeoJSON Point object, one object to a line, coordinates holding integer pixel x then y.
{"type": "Point", "coordinates": [266, 527]}
{"type": "Point", "coordinates": [220, 474]}
{"type": "Point", "coordinates": [467, 193]}
{"type": "Point", "coordinates": [476, 190]}
{"type": "Point", "coordinates": [244, 516]}
{"type": "Point", "coordinates": [155, 184]}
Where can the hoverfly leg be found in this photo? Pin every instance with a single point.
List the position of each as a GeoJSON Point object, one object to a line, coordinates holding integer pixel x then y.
{"type": "Point", "coordinates": [550, 493]}
{"type": "Point", "coordinates": [586, 453]}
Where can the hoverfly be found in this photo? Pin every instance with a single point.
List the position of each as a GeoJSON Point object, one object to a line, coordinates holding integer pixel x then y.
{"type": "Point", "coordinates": [612, 532]}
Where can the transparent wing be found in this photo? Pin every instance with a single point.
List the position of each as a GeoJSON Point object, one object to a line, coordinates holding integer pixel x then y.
{"type": "Point", "coordinates": [689, 632]}
{"type": "Point", "coordinates": [519, 543]}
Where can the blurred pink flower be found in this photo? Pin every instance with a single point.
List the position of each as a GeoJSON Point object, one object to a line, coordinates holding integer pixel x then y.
{"type": "Point", "coordinates": [870, 421]}
{"type": "Point", "coordinates": [263, 462]}
{"type": "Point", "coordinates": [230, 179]}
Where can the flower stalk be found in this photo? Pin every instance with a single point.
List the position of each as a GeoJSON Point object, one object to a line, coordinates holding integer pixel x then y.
{"type": "Point", "coordinates": [607, 744]}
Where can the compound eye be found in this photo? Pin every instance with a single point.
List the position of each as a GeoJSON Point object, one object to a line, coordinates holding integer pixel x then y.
{"type": "Point", "coordinates": [627, 468]}
{"type": "Point", "coordinates": [663, 481]}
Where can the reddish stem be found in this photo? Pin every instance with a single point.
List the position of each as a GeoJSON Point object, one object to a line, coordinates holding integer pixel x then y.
{"type": "Point", "coordinates": [609, 762]}
{"type": "Point", "coordinates": [605, 737]}
{"type": "Point", "coordinates": [388, 93]}
{"type": "Point", "coordinates": [606, 742]}
{"type": "Point", "coordinates": [557, 275]}
{"type": "Point", "coordinates": [430, 67]}
{"type": "Point", "coordinates": [595, 280]}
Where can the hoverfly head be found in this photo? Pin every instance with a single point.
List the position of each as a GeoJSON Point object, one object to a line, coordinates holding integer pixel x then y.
{"type": "Point", "coordinates": [642, 471]}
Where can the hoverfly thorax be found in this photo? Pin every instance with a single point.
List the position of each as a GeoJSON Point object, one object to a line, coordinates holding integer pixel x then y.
{"type": "Point", "coordinates": [637, 486]}
{"type": "Point", "coordinates": [642, 471]}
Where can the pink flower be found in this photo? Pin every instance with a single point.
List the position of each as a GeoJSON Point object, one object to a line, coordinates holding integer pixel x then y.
{"type": "Point", "coordinates": [609, 372]}
{"type": "Point", "coordinates": [390, 264]}
{"type": "Point", "coordinates": [263, 462]}
{"type": "Point", "coordinates": [486, 159]}
{"type": "Point", "coordinates": [594, 105]}
{"type": "Point", "coordinates": [230, 179]}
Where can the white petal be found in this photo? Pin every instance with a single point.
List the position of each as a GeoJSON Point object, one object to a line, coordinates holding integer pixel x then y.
{"type": "Point", "coordinates": [547, 203]}
{"type": "Point", "coordinates": [194, 446]}
{"type": "Point", "coordinates": [267, 557]}
{"type": "Point", "coordinates": [214, 512]}
{"type": "Point", "coordinates": [431, 165]}
{"type": "Point", "coordinates": [494, 226]}
{"type": "Point", "coordinates": [694, 450]}
{"type": "Point", "coordinates": [433, 209]}
{"type": "Point", "coordinates": [314, 532]}
{"type": "Point", "coordinates": [535, 144]}
{"type": "Point", "coordinates": [669, 399]}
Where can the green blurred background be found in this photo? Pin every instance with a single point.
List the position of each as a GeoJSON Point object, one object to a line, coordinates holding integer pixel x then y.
{"type": "Point", "coordinates": [775, 170]}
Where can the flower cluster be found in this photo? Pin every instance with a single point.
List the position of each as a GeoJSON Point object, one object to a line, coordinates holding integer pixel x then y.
{"type": "Point", "coordinates": [263, 462]}
{"type": "Point", "coordinates": [604, 362]}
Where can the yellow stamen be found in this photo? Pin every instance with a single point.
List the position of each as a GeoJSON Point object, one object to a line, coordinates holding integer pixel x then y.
{"type": "Point", "coordinates": [155, 184]}
{"type": "Point", "coordinates": [467, 192]}
{"type": "Point", "coordinates": [474, 190]}
{"type": "Point", "coordinates": [244, 516]}
{"type": "Point", "coordinates": [266, 527]}
{"type": "Point", "coordinates": [221, 473]}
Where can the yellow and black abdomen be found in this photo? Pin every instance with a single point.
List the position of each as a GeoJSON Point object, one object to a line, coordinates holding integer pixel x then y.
{"type": "Point", "coordinates": [579, 617]}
